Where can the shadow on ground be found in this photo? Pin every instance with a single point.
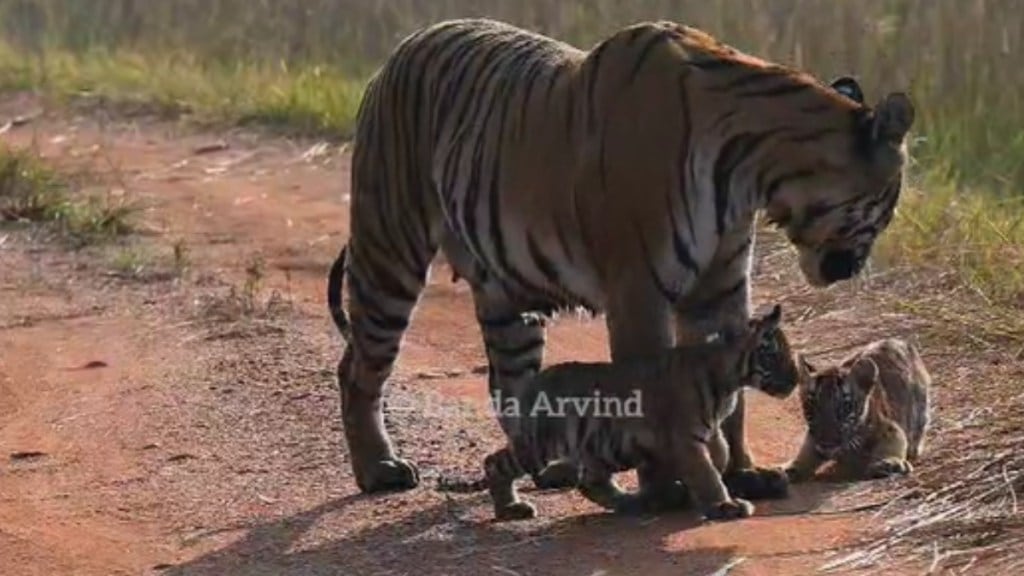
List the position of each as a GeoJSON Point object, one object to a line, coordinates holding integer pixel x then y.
{"type": "Point", "coordinates": [443, 540]}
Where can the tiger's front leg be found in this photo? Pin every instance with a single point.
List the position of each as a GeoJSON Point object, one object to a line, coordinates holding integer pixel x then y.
{"type": "Point", "coordinates": [639, 323]}
{"type": "Point", "coordinates": [722, 298]}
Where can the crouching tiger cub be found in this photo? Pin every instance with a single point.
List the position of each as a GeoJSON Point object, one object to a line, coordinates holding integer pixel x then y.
{"type": "Point", "coordinates": [679, 397]}
{"type": "Point", "coordinates": [869, 413]}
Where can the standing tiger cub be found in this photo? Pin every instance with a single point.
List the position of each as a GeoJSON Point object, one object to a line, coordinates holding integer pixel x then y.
{"type": "Point", "coordinates": [869, 413]}
{"type": "Point", "coordinates": [679, 400]}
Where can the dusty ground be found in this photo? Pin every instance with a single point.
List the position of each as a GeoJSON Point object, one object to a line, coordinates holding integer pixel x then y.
{"type": "Point", "coordinates": [209, 440]}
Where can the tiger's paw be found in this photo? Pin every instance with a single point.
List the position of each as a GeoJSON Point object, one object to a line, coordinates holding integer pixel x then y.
{"type": "Point", "coordinates": [889, 467]}
{"type": "Point", "coordinates": [795, 475]}
{"type": "Point", "coordinates": [557, 476]}
{"type": "Point", "coordinates": [729, 510]}
{"type": "Point", "coordinates": [519, 510]}
{"type": "Point", "coordinates": [758, 483]}
{"type": "Point", "coordinates": [390, 475]}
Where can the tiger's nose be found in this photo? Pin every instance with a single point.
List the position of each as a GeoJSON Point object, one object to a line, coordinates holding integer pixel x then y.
{"type": "Point", "coordinates": [839, 265]}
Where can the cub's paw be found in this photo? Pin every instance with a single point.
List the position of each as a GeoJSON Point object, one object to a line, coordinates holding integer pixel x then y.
{"type": "Point", "coordinates": [520, 510]}
{"type": "Point", "coordinates": [557, 476]}
{"type": "Point", "coordinates": [729, 510]}
{"type": "Point", "coordinates": [757, 483]}
{"type": "Point", "coordinates": [890, 467]}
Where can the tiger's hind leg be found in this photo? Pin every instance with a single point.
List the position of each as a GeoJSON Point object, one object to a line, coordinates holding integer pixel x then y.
{"type": "Point", "coordinates": [515, 352]}
{"type": "Point", "coordinates": [382, 295]}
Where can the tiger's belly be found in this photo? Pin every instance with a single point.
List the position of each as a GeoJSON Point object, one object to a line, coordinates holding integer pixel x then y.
{"type": "Point", "coordinates": [530, 247]}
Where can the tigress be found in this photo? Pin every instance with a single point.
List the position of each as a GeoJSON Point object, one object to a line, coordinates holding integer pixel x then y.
{"type": "Point", "coordinates": [580, 411]}
{"type": "Point", "coordinates": [869, 413]}
{"type": "Point", "coordinates": [624, 180]}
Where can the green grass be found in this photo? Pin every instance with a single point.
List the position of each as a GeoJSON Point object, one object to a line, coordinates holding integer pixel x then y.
{"type": "Point", "coordinates": [145, 262]}
{"type": "Point", "coordinates": [29, 191]}
{"type": "Point", "coordinates": [32, 192]}
{"type": "Point", "coordinates": [976, 237]}
{"type": "Point", "coordinates": [309, 99]}
{"type": "Point", "coordinates": [301, 66]}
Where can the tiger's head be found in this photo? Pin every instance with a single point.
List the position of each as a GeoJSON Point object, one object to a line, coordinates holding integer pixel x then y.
{"type": "Point", "coordinates": [836, 403]}
{"type": "Point", "coordinates": [839, 189]}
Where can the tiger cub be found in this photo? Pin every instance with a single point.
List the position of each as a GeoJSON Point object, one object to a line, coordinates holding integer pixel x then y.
{"type": "Point", "coordinates": [869, 413]}
{"type": "Point", "coordinates": [679, 397]}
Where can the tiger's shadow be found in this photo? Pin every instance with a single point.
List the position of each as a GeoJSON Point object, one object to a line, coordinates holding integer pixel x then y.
{"type": "Point", "coordinates": [454, 537]}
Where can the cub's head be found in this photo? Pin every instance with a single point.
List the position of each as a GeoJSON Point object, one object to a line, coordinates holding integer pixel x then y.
{"type": "Point", "coordinates": [837, 187]}
{"type": "Point", "coordinates": [835, 403]}
{"type": "Point", "coordinates": [769, 362]}
{"type": "Point", "coordinates": [773, 365]}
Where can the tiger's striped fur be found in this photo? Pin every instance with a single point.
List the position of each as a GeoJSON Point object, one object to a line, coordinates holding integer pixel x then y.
{"type": "Point", "coordinates": [681, 397]}
{"type": "Point", "coordinates": [869, 413]}
{"type": "Point", "coordinates": [623, 180]}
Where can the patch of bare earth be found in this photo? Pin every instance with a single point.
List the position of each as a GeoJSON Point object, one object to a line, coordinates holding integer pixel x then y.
{"type": "Point", "coordinates": [189, 424]}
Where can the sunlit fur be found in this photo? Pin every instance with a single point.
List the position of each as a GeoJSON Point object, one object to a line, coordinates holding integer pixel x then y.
{"type": "Point", "coordinates": [684, 394]}
{"type": "Point", "coordinates": [868, 413]}
{"type": "Point", "coordinates": [622, 180]}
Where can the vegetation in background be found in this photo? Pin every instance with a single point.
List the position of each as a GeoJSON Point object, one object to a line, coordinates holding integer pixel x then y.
{"type": "Point", "coordinates": [302, 65]}
{"type": "Point", "coordinates": [32, 192]}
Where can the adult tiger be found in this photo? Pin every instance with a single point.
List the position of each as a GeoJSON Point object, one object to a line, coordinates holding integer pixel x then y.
{"type": "Point", "coordinates": [623, 180]}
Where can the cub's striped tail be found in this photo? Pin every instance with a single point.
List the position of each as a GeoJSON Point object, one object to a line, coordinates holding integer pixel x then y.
{"type": "Point", "coordinates": [335, 282]}
{"type": "Point", "coordinates": [461, 485]}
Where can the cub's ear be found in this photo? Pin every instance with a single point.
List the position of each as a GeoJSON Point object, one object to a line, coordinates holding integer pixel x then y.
{"type": "Point", "coordinates": [894, 116]}
{"type": "Point", "coordinates": [767, 321]}
{"type": "Point", "coordinates": [865, 373]}
{"type": "Point", "coordinates": [849, 87]}
{"type": "Point", "coordinates": [806, 368]}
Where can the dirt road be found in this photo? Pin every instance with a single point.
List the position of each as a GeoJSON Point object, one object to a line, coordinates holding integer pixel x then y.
{"type": "Point", "coordinates": [154, 424]}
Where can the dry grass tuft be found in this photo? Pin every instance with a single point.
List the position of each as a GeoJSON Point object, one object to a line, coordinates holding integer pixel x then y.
{"type": "Point", "coordinates": [966, 506]}
{"type": "Point", "coordinates": [244, 308]}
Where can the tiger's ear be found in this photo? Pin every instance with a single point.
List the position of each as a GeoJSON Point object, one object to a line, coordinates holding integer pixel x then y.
{"type": "Point", "coordinates": [865, 373]}
{"type": "Point", "coordinates": [849, 87]}
{"type": "Point", "coordinates": [894, 116]}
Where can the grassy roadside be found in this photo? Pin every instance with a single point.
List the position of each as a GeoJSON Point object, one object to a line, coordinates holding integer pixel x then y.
{"type": "Point", "coordinates": [310, 100]}
{"type": "Point", "coordinates": [33, 193]}
{"type": "Point", "coordinates": [302, 69]}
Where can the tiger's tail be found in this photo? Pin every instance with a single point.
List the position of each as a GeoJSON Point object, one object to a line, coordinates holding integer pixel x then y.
{"type": "Point", "coordinates": [335, 282]}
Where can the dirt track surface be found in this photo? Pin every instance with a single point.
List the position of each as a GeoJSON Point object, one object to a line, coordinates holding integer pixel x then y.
{"type": "Point", "coordinates": [202, 445]}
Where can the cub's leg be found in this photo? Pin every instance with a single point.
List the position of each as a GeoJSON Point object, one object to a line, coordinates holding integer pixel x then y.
{"type": "Point", "coordinates": [806, 463]}
{"type": "Point", "coordinates": [693, 464]}
{"type": "Point", "coordinates": [597, 485]}
{"type": "Point", "coordinates": [658, 500]}
{"type": "Point", "coordinates": [502, 469]}
{"type": "Point", "coordinates": [654, 498]}
{"type": "Point", "coordinates": [889, 455]}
